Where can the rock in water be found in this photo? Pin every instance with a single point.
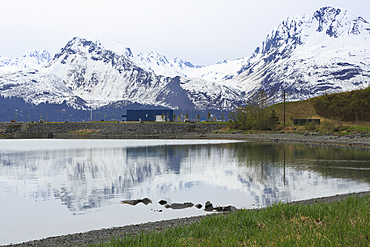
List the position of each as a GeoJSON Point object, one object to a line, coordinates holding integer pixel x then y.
{"type": "Point", "coordinates": [229, 208]}
{"type": "Point", "coordinates": [180, 205]}
{"type": "Point", "coordinates": [131, 202]}
{"type": "Point", "coordinates": [162, 202]}
{"type": "Point", "coordinates": [208, 206]}
{"type": "Point", "coordinates": [146, 201]}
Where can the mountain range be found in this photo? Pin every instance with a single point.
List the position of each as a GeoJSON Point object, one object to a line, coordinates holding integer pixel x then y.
{"type": "Point", "coordinates": [305, 56]}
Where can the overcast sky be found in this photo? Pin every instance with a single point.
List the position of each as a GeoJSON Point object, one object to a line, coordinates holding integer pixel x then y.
{"type": "Point", "coordinates": [200, 31]}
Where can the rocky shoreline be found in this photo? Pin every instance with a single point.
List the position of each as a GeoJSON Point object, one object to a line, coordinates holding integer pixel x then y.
{"type": "Point", "coordinates": [104, 130]}
{"type": "Point", "coordinates": [354, 140]}
{"type": "Point", "coordinates": [120, 130]}
{"type": "Point", "coordinates": [106, 235]}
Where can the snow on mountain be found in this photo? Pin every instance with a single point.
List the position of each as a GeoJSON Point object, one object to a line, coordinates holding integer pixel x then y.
{"type": "Point", "coordinates": [87, 72]}
{"type": "Point", "coordinates": [109, 42]}
{"type": "Point", "coordinates": [309, 55]}
{"type": "Point", "coordinates": [31, 59]}
{"type": "Point", "coordinates": [219, 72]}
{"type": "Point", "coordinates": [160, 65]}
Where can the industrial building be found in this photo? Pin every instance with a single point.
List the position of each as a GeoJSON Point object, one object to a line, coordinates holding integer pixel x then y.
{"type": "Point", "coordinates": [149, 115]}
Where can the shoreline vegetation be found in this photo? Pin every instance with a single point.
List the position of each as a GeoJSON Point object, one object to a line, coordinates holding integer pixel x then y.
{"type": "Point", "coordinates": [334, 220]}
{"type": "Point", "coordinates": [347, 135]}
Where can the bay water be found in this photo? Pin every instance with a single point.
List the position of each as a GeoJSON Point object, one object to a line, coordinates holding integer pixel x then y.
{"type": "Point", "coordinates": [52, 187]}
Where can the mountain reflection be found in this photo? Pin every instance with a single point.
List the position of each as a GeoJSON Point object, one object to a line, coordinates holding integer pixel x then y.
{"type": "Point", "coordinates": [89, 178]}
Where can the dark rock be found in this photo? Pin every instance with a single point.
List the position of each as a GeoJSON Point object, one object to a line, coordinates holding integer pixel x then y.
{"type": "Point", "coordinates": [146, 201]}
{"type": "Point", "coordinates": [208, 206]}
{"type": "Point", "coordinates": [225, 209]}
{"type": "Point", "coordinates": [131, 202]}
{"type": "Point", "coordinates": [162, 202]}
{"type": "Point", "coordinates": [179, 205]}
{"type": "Point", "coordinates": [199, 206]}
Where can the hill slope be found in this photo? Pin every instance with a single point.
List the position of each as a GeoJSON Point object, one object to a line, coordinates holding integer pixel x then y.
{"type": "Point", "coordinates": [346, 106]}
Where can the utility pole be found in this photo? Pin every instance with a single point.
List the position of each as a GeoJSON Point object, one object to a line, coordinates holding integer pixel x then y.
{"type": "Point", "coordinates": [284, 108]}
{"type": "Point", "coordinates": [91, 114]}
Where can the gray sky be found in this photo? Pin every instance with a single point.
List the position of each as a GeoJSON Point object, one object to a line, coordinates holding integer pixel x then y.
{"type": "Point", "coordinates": [200, 31]}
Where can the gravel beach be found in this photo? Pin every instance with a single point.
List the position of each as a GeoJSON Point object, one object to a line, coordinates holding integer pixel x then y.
{"type": "Point", "coordinates": [104, 235]}
{"type": "Point", "coordinates": [354, 140]}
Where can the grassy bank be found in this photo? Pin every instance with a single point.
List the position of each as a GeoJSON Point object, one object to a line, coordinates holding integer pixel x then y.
{"type": "Point", "coordinates": [345, 112]}
{"type": "Point", "coordinates": [343, 223]}
{"type": "Point", "coordinates": [296, 110]}
{"type": "Point", "coordinates": [306, 110]}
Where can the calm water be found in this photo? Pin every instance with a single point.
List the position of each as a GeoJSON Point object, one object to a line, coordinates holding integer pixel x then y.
{"type": "Point", "coordinates": [54, 187]}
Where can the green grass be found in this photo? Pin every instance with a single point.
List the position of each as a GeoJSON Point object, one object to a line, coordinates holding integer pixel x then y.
{"type": "Point", "coordinates": [228, 130]}
{"type": "Point", "coordinates": [344, 223]}
{"type": "Point", "coordinates": [359, 128]}
{"type": "Point", "coordinates": [295, 110]}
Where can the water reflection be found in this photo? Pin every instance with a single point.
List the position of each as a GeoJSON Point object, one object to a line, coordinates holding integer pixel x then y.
{"type": "Point", "coordinates": [87, 178]}
{"type": "Point", "coordinates": [83, 177]}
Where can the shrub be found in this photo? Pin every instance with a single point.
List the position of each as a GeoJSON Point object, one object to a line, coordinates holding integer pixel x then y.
{"type": "Point", "coordinates": [311, 126]}
{"type": "Point", "coordinates": [332, 125]}
{"type": "Point", "coordinates": [254, 117]}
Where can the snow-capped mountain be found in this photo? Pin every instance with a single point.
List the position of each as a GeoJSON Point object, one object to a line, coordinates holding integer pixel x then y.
{"type": "Point", "coordinates": [86, 74]}
{"type": "Point", "coordinates": [28, 60]}
{"type": "Point", "coordinates": [328, 51]}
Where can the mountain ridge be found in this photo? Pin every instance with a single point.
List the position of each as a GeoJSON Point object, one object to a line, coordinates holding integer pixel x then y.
{"type": "Point", "coordinates": [297, 57]}
{"type": "Point", "coordinates": [305, 56]}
